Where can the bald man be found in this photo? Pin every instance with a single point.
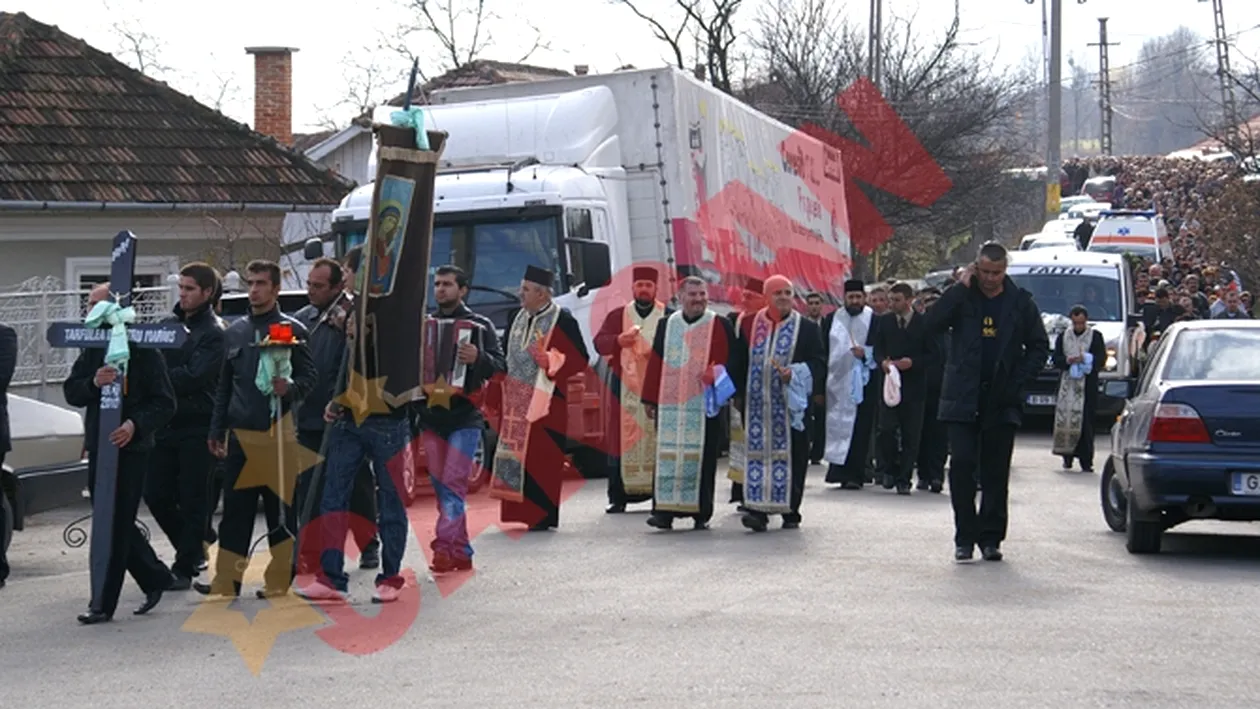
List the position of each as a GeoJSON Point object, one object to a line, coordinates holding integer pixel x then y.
{"type": "Point", "coordinates": [148, 403]}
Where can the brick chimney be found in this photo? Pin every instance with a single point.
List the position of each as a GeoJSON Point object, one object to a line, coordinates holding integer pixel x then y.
{"type": "Point", "coordinates": [273, 91]}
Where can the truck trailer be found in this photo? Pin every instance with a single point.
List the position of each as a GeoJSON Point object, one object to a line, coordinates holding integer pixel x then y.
{"type": "Point", "coordinates": [586, 176]}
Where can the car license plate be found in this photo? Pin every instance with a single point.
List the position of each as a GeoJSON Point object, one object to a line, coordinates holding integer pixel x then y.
{"type": "Point", "coordinates": [1041, 400]}
{"type": "Point", "coordinates": [1247, 483]}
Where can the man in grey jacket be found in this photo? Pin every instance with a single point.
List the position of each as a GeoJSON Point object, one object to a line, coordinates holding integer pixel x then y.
{"type": "Point", "coordinates": [330, 289]}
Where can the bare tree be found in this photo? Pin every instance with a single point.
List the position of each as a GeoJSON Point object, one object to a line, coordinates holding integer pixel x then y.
{"type": "Point", "coordinates": [710, 23]}
{"type": "Point", "coordinates": [957, 104]}
{"type": "Point", "coordinates": [461, 28]}
{"type": "Point", "coordinates": [367, 82]}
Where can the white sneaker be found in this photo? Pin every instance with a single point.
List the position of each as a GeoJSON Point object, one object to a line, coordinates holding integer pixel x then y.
{"type": "Point", "coordinates": [386, 593]}
{"type": "Point", "coordinates": [319, 591]}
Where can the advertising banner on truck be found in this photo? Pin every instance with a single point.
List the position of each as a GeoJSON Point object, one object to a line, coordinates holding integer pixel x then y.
{"type": "Point", "coordinates": [756, 198]}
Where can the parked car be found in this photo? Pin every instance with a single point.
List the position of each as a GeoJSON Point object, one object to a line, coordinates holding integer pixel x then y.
{"type": "Point", "coordinates": [236, 305]}
{"type": "Point", "coordinates": [47, 467]}
{"type": "Point", "coordinates": [1186, 445]}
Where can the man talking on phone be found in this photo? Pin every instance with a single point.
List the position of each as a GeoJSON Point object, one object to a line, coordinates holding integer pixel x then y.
{"type": "Point", "coordinates": [997, 345]}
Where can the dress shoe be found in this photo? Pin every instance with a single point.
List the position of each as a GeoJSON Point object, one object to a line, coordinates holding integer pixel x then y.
{"type": "Point", "coordinates": [936, 486]}
{"type": "Point", "coordinates": [888, 482]}
{"type": "Point", "coordinates": [94, 617]}
{"type": "Point", "coordinates": [444, 564]}
{"type": "Point", "coordinates": [791, 524]}
{"type": "Point", "coordinates": [370, 558]}
{"type": "Point", "coordinates": [540, 527]}
{"type": "Point", "coordinates": [964, 552]}
{"type": "Point", "coordinates": [753, 522]}
{"type": "Point", "coordinates": [699, 525]}
{"type": "Point", "coordinates": [991, 553]}
{"type": "Point", "coordinates": [263, 594]}
{"type": "Point", "coordinates": [921, 485]}
{"type": "Point", "coordinates": [179, 582]}
{"type": "Point", "coordinates": [660, 522]}
{"type": "Point", "coordinates": [206, 589]}
{"type": "Point", "coordinates": [150, 602]}
{"type": "Point", "coordinates": [903, 489]}
{"type": "Point", "coordinates": [614, 509]}
{"type": "Point", "coordinates": [850, 486]}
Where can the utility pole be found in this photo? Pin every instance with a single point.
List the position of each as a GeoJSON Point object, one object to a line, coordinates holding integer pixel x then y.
{"type": "Point", "coordinates": [1054, 158]}
{"type": "Point", "coordinates": [1104, 84]}
{"type": "Point", "coordinates": [875, 46]}
{"type": "Point", "coordinates": [1225, 74]}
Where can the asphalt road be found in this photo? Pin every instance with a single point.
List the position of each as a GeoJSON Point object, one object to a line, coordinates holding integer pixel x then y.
{"type": "Point", "coordinates": [861, 607]}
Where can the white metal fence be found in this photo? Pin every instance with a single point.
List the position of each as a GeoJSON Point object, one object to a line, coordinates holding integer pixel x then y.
{"type": "Point", "coordinates": [34, 305]}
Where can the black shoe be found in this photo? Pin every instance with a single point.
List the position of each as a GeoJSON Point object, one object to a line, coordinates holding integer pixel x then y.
{"type": "Point", "coordinates": [206, 589]}
{"type": "Point", "coordinates": [791, 524]}
{"type": "Point", "coordinates": [2, 582]}
{"type": "Point", "coordinates": [370, 558]}
{"type": "Point", "coordinates": [741, 509]}
{"type": "Point", "coordinates": [921, 485]}
{"type": "Point", "coordinates": [753, 522]}
{"type": "Point", "coordinates": [150, 602]}
{"type": "Point", "coordinates": [263, 594]}
{"type": "Point", "coordinates": [540, 527]}
{"type": "Point", "coordinates": [888, 482]}
{"type": "Point", "coordinates": [1067, 463]}
{"type": "Point", "coordinates": [660, 522]}
{"type": "Point", "coordinates": [94, 617]}
{"type": "Point", "coordinates": [991, 553]}
{"type": "Point", "coordinates": [964, 552]}
{"type": "Point", "coordinates": [445, 564]}
{"type": "Point", "coordinates": [699, 525]}
{"type": "Point", "coordinates": [179, 582]}
{"type": "Point", "coordinates": [615, 509]}
{"type": "Point", "coordinates": [850, 486]}
{"type": "Point", "coordinates": [1087, 468]}
{"type": "Point", "coordinates": [903, 489]}
{"type": "Point", "coordinates": [936, 486]}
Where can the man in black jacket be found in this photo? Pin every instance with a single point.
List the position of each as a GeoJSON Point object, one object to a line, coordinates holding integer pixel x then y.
{"type": "Point", "coordinates": [8, 363]}
{"type": "Point", "coordinates": [902, 342]}
{"type": "Point", "coordinates": [178, 485]}
{"type": "Point", "coordinates": [934, 441]}
{"type": "Point", "coordinates": [997, 345]}
{"type": "Point", "coordinates": [329, 286]}
{"type": "Point", "coordinates": [239, 405]}
{"type": "Point", "coordinates": [455, 373]}
{"type": "Point", "coordinates": [148, 402]}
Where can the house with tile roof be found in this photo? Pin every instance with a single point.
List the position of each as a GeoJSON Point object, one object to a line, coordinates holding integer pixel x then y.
{"type": "Point", "coordinates": [90, 146]}
{"type": "Point", "coordinates": [347, 151]}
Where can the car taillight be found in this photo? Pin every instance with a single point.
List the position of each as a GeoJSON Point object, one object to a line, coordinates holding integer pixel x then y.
{"type": "Point", "coordinates": [1177, 423]}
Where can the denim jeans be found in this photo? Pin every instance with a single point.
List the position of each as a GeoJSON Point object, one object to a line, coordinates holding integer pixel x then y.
{"type": "Point", "coordinates": [379, 439]}
{"type": "Point", "coordinates": [450, 463]}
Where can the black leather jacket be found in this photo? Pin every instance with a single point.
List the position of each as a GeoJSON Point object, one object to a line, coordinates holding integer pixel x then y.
{"type": "Point", "coordinates": [328, 346]}
{"type": "Point", "coordinates": [194, 370]}
{"type": "Point", "coordinates": [238, 403]}
{"type": "Point", "coordinates": [148, 400]}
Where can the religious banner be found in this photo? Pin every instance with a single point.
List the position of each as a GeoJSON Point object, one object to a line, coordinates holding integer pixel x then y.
{"type": "Point", "coordinates": [395, 273]}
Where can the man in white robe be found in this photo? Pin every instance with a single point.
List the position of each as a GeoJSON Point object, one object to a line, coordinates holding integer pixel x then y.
{"type": "Point", "coordinates": [851, 391]}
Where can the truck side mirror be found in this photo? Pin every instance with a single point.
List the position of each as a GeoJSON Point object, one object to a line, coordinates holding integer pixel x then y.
{"type": "Point", "coordinates": [596, 263]}
{"type": "Point", "coordinates": [313, 249]}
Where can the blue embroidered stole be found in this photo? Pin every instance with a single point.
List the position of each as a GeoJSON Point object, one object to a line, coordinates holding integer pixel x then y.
{"type": "Point", "coordinates": [680, 413]}
{"type": "Point", "coordinates": [768, 446]}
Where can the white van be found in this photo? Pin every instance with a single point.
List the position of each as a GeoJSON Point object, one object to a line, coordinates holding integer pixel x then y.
{"type": "Point", "coordinates": [1059, 280]}
{"type": "Point", "coordinates": [1141, 233]}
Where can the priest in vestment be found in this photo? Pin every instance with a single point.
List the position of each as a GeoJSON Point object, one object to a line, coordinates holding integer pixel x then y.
{"type": "Point", "coordinates": [693, 353]}
{"type": "Point", "coordinates": [754, 300]}
{"type": "Point", "coordinates": [851, 392]}
{"type": "Point", "coordinates": [1080, 354]}
{"type": "Point", "coordinates": [544, 351]}
{"type": "Point", "coordinates": [625, 339]}
{"type": "Point", "coordinates": [783, 372]}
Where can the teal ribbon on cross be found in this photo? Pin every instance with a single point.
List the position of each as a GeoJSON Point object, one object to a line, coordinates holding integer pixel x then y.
{"type": "Point", "coordinates": [412, 118]}
{"type": "Point", "coordinates": [107, 312]}
{"type": "Point", "coordinates": [273, 362]}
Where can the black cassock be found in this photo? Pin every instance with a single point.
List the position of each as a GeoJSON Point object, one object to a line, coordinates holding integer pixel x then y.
{"type": "Point", "coordinates": [149, 403]}
{"type": "Point", "coordinates": [722, 349]}
{"type": "Point", "coordinates": [548, 438]}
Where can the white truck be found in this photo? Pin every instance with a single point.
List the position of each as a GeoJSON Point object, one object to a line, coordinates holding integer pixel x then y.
{"type": "Point", "coordinates": [587, 175]}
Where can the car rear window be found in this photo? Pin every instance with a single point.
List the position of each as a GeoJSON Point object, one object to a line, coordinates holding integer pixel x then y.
{"type": "Point", "coordinates": [1217, 354]}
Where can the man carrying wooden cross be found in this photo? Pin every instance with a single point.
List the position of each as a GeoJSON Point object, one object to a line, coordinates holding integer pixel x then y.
{"type": "Point", "coordinates": [138, 375]}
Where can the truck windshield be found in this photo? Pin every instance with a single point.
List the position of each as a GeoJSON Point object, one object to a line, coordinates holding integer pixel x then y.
{"type": "Point", "coordinates": [1058, 293]}
{"type": "Point", "coordinates": [494, 253]}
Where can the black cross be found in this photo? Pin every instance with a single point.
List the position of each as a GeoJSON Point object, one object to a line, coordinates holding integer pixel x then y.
{"type": "Point", "coordinates": [153, 335]}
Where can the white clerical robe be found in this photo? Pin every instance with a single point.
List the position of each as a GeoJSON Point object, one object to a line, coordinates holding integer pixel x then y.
{"type": "Point", "coordinates": [846, 331]}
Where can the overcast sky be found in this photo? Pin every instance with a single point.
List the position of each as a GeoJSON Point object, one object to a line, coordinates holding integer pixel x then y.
{"type": "Point", "coordinates": [204, 45]}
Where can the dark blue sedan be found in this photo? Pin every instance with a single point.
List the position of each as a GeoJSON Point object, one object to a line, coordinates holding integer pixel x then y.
{"type": "Point", "coordinates": [1187, 445]}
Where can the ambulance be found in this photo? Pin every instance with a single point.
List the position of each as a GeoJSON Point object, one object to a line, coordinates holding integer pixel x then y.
{"type": "Point", "coordinates": [1138, 232]}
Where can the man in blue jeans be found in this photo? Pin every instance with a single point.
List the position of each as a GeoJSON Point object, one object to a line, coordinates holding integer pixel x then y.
{"type": "Point", "coordinates": [379, 437]}
{"type": "Point", "coordinates": [462, 355]}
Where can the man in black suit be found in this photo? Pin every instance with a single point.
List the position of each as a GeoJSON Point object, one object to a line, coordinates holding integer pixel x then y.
{"type": "Point", "coordinates": [8, 363]}
{"type": "Point", "coordinates": [901, 343]}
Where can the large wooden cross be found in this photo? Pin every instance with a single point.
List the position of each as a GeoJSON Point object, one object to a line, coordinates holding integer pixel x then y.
{"type": "Point", "coordinates": [78, 335]}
